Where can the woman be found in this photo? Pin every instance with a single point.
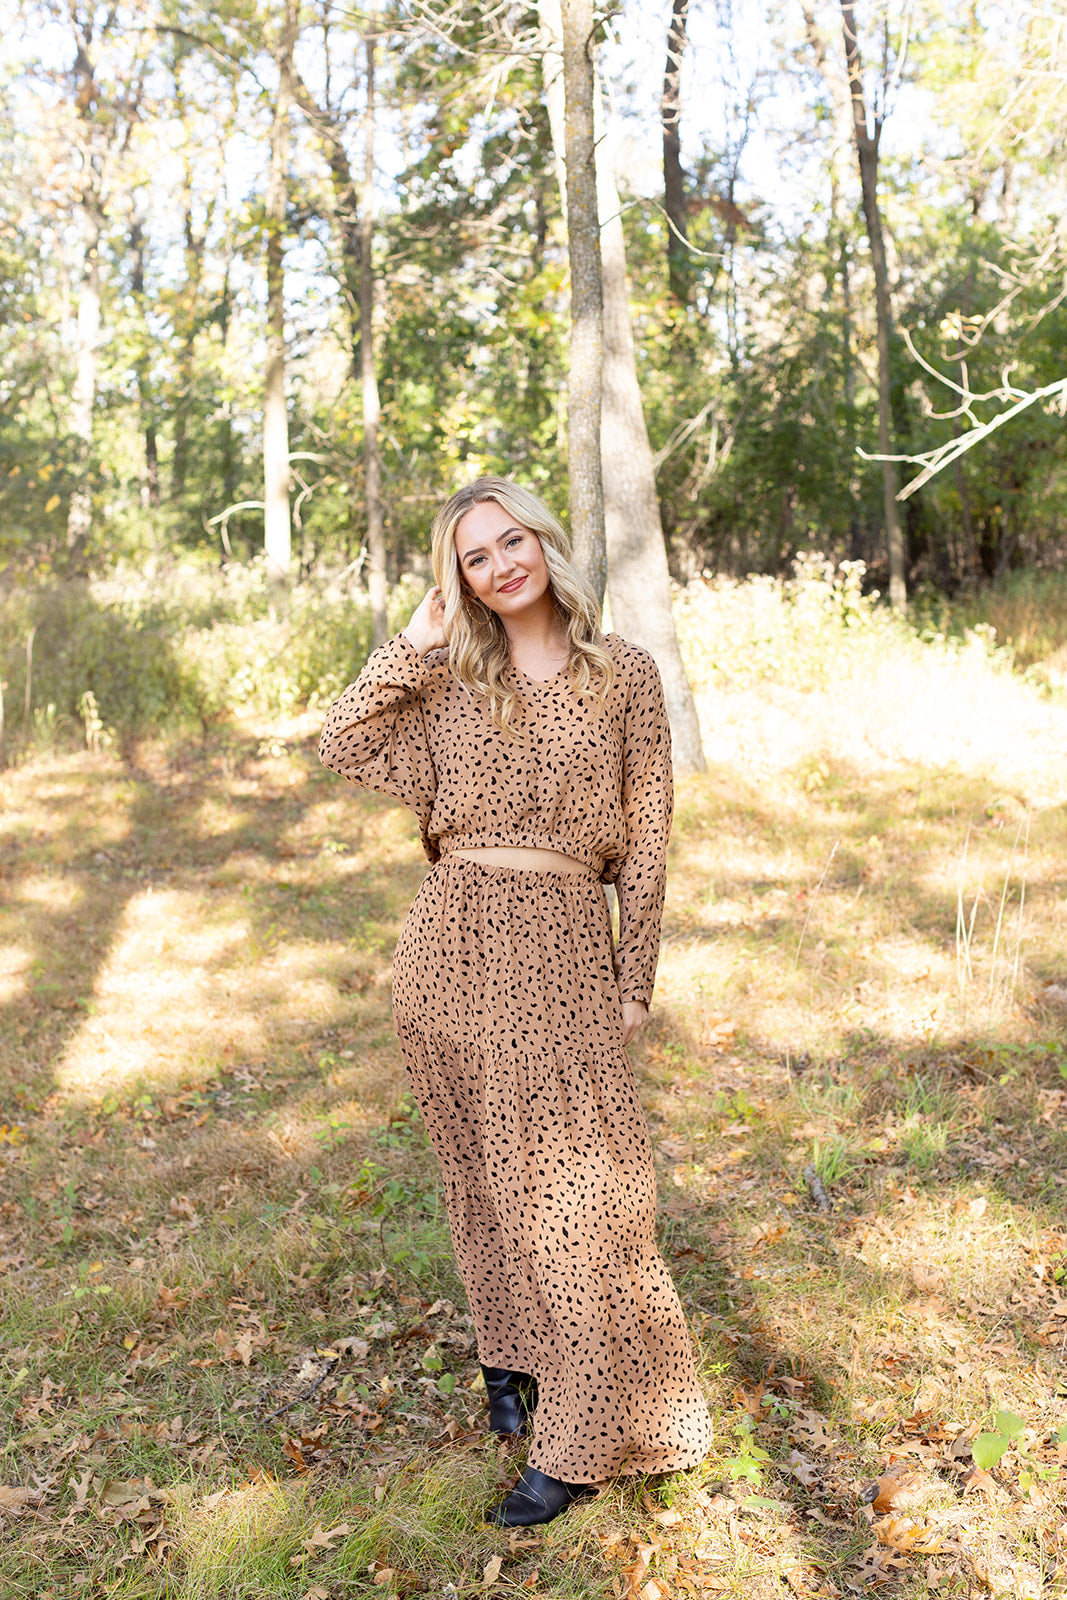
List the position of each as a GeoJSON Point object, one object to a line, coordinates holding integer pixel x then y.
{"type": "Point", "coordinates": [536, 755]}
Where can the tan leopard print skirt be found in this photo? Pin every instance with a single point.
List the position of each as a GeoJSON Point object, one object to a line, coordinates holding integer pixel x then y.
{"type": "Point", "coordinates": [509, 1020]}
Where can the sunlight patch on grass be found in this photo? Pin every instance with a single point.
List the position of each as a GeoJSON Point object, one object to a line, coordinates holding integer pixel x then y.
{"type": "Point", "coordinates": [15, 962]}
{"type": "Point", "coordinates": [157, 1003]}
{"type": "Point", "coordinates": [782, 672]}
{"type": "Point", "coordinates": [50, 891]}
{"type": "Point", "coordinates": [236, 1536]}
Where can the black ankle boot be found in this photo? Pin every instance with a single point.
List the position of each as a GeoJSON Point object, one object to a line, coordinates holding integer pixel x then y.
{"type": "Point", "coordinates": [512, 1396]}
{"type": "Point", "coordinates": [536, 1498]}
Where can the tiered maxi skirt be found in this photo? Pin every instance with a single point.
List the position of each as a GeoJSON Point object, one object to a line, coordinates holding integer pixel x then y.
{"type": "Point", "coordinates": [508, 1015]}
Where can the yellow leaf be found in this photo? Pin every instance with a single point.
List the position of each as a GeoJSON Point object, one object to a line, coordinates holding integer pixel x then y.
{"type": "Point", "coordinates": [51, 503]}
{"type": "Point", "coordinates": [491, 1570]}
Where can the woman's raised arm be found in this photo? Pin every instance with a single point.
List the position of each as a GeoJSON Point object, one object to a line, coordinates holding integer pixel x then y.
{"type": "Point", "coordinates": [375, 732]}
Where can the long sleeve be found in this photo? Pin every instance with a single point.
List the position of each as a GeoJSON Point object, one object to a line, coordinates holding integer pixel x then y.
{"type": "Point", "coordinates": [648, 804]}
{"type": "Point", "coordinates": [375, 732]}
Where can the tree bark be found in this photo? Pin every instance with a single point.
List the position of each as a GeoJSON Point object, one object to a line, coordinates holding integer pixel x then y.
{"type": "Point", "coordinates": [345, 206]}
{"type": "Point", "coordinates": [586, 489]}
{"type": "Point", "coordinates": [83, 397]}
{"type": "Point", "coordinates": [372, 477]}
{"type": "Point", "coordinates": [87, 335]}
{"type": "Point", "coordinates": [277, 531]}
{"type": "Point", "coordinates": [867, 156]}
{"type": "Point", "coordinates": [638, 580]}
{"type": "Point", "coordinates": [673, 181]}
{"type": "Point", "coordinates": [150, 482]}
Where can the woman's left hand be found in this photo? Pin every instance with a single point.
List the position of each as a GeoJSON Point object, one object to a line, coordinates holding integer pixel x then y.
{"type": "Point", "coordinates": [634, 1017]}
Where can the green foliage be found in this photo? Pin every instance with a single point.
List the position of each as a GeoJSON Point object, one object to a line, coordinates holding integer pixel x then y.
{"type": "Point", "coordinates": [750, 1459]}
{"type": "Point", "coordinates": [185, 646]}
{"type": "Point", "coordinates": [1027, 611]}
{"type": "Point", "coordinates": [987, 1448]}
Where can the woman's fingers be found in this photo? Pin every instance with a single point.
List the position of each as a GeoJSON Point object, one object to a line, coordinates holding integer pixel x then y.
{"type": "Point", "coordinates": [634, 1017]}
{"type": "Point", "coordinates": [425, 631]}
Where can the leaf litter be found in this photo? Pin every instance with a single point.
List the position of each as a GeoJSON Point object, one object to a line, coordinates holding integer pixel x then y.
{"type": "Point", "coordinates": [221, 1289]}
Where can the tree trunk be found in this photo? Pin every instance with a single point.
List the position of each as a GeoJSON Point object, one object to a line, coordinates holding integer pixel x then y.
{"type": "Point", "coordinates": [673, 182]}
{"type": "Point", "coordinates": [150, 481]}
{"type": "Point", "coordinates": [83, 397]}
{"type": "Point", "coordinates": [344, 209]}
{"type": "Point", "coordinates": [187, 308]}
{"type": "Point", "coordinates": [586, 490]}
{"type": "Point", "coordinates": [638, 579]}
{"type": "Point", "coordinates": [841, 224]}
{"type": "Point", "coordinates": [372, 476]}
{"type": "Point", "coordinates": [277, 532]}
{"type": "Point", "coordinates": [867, 155]}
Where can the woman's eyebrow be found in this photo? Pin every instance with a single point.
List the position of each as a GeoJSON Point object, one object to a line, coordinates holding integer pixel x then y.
{"type": "Point", "coordinates": [479, 550]}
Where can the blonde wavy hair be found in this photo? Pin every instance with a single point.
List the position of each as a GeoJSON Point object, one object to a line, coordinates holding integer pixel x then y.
{"type": "Point", "coordinates": [478, 651]}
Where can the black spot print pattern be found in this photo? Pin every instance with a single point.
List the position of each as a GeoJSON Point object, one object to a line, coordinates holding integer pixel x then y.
{"type": "Point", "coordinates": [506, 994]}
{"type": "Point", "coordinates": [591, 781]}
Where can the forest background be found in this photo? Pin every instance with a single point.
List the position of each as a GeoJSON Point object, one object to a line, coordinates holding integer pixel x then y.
{"type": "Point", "coordinates": [226, 234]}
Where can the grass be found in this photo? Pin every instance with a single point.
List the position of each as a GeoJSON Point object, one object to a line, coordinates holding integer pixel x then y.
{"type": "Point", "coordinates": [236, 1358]}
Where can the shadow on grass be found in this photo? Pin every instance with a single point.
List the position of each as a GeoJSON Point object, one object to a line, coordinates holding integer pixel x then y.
{"type": "Point", "coordinates": [277, 1197]}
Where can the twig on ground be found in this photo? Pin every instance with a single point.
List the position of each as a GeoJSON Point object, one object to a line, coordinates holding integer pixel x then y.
{"type": "Point", "coordinates": [299, 1399]}
{"type": "Point", "coordinates": [811, 903]}
{"type": "Point", "coordinates": [818, 1189]}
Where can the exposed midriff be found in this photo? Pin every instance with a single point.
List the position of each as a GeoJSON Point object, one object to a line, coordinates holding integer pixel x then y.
{"type": "Point", "coordinates": [523, 858]}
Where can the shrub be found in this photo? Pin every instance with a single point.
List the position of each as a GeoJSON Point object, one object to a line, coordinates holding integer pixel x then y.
{"type": "Point", "coordinates": [185, 645]}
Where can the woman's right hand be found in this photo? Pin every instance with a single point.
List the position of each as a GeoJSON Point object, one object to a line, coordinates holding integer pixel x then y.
{"type": "Point", "coordinates": [426, 630]}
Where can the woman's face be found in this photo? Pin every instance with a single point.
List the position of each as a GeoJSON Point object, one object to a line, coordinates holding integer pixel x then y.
{"type": "Point", "coordinates": [501, 561]}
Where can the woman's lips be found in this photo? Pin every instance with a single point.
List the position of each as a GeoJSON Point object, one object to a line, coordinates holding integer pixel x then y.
{"type": "Point", "coordinates": [510, 588]}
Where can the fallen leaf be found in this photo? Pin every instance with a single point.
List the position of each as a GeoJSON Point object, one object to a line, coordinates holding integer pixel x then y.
{"type": "Point", "coordinates": [674, 1149]}
{"type": "Point", "coordinates": [906, 1491]}
{"type": "Point", "coordinates": [491, 1571]}
{"type": "Point", "coordinates": [358, 1349]}
{"type": "Point", "coordinates": [813, 1428]}
{"type": "Point", "coordinates": [635, 1575]}
{"type": "Point", "coordinates": [980, 1481]}
{"type": "Point", "coordinates": [904, 1533]}
{"type": "Point", "coordinates": [119, 1492]}
{"type": "Point", "coordinates": [805, 1471]}
{"type": "Point", "coordinates": [15, 1500]}
{"type": "Point", "coordinates": [927, 1278]}
{"type": "Point", "coordinates": [322, 1539]}
{"type": "Point", "coordinates": [876, 1566]}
